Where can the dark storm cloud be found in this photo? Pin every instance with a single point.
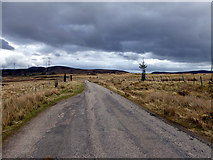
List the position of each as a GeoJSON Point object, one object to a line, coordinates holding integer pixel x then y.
{"type": "Point", "coordinates": [6, 45]}
{"type": "Point", "coordinates": [174, 31]}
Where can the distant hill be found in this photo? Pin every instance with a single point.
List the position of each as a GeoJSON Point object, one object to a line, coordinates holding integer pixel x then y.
{"type": "Point", "coordinates": [192, 72]}
{"type": "Point", "coordinates": [55, 70]}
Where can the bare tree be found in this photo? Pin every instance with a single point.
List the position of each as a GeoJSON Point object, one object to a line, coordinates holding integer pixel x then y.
{"type": "Point", "coordinates": [143, 67]}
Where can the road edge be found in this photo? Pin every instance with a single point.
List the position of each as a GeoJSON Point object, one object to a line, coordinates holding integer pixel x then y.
{"type": "Point", "coordinates": [16, 128]}
{"type": "Point", "coordinates": [167, 121]}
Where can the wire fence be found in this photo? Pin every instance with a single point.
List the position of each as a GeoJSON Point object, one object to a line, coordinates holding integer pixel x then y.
{"type": "Point", "coordinates": [203, 80]}
{"type": "Point", "coordinates": [19, 89]}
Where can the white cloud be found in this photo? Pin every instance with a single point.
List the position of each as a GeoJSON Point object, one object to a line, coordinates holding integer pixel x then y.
{"type": "Point", "coordinates": [29, 55]}
{"type": "Point", "coordinates": [11, 59]}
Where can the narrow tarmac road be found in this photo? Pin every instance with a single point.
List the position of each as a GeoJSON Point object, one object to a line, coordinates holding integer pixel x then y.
{"type": "Point", "coordinates": [99, 123]}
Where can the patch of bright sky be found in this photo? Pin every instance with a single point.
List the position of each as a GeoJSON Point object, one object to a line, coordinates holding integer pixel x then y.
{"type": "Point", "coordinates": [28, 55]}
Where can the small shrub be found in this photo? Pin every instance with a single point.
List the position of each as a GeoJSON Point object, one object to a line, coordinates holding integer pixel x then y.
{"type": "Point", "coordinates": [62, 86]}
{"type": "Point", "coordinates": [183, 93]}
{"type": "Point", "coordinates": [48, 93]}
{"type": "Point", "coordinates": [20, 115]}
{"type": "Point", "coordinates": [127, 94]}
{"type": "Point", "coordinates": [54, 91]}
{"type": "Point", "coordinates": [169, 111]}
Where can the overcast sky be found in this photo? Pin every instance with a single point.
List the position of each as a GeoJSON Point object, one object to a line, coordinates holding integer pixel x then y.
{"type": "Point", "coordinates": [169, 36]}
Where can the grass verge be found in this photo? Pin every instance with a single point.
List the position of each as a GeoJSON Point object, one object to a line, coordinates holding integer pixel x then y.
{"type": "Point", "coordinates": [180, 103]}
{"type": "Point", "coordinates": [51, 97]}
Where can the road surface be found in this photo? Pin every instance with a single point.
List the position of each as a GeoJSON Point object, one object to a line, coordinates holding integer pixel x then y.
{"type": "Point", "coordinates": [99, 123]}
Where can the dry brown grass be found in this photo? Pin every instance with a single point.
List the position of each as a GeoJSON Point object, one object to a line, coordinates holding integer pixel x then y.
{"type": "Point", "coordinates": [21, 98]}
{"type": "Point", "coordinates": [187, 103]}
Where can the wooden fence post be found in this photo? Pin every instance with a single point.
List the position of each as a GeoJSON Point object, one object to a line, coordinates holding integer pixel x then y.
{"type": "Point", "coordinates": [183, 78]}
{"type": "Point", "coordinates": [194, 80]}
{"type": "Point", "coordinates": [65, 77]}
{"type": "Point", "coordinates": [70, 77]}
{"type": "Point", "coordinates": [209, 84]}
{"type": "Point", "coordinates": [56, 83]}
{"type": "Point", "coordinates": [201, 80]}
